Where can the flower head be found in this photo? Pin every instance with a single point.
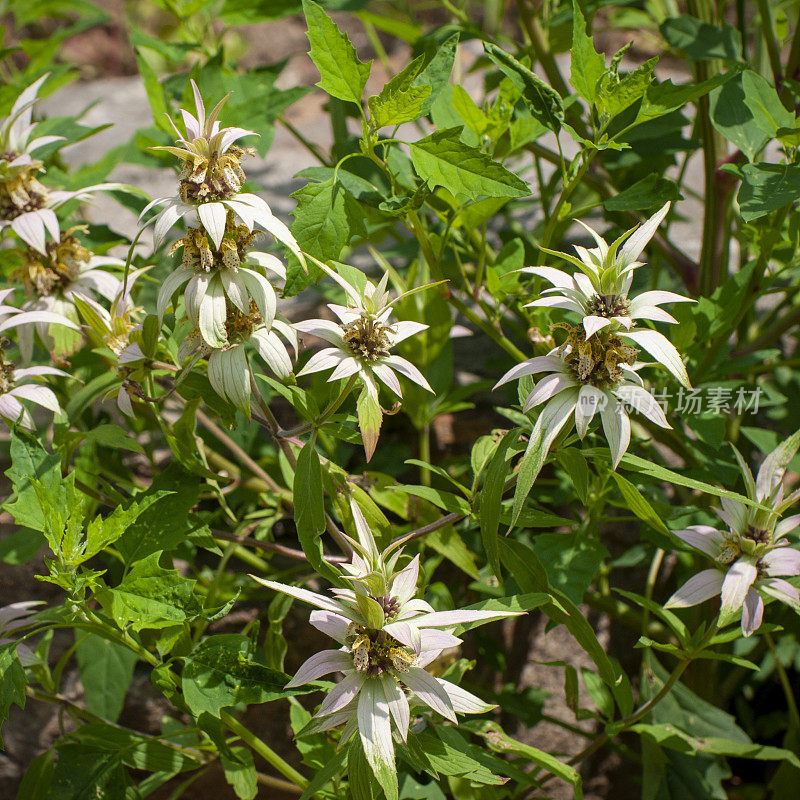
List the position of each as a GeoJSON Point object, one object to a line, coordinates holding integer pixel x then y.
{"type": "Point", "coordinates": [387, 637]}
{"type": "Point", "coordinates": [211, 177]}
{"type": "Point", "coordinates": [362, 341]}
{"type": "Point", "coordinates": [599, 292]}
{"type": "Point", "coordinates": [20, 191]}
{"type": "Point", "coordinates": [51, 281]}
{"type": "Point", "coordinates": [752, 556]}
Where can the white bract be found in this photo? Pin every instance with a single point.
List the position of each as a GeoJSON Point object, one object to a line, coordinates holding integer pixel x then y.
{"type": "Point", "coordinates": [388, 636]}
{"type": "Point", "coordinates": [752, 555]}
{"type": "Point", "coordinates": [599, 293]}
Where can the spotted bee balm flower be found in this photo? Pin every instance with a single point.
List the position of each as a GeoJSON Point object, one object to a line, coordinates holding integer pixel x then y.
{"type": "Point", "coordinates": [595, 369]}
{"type": "Point", "coordinates": [362, 341]}
{"type": "Point", "coordinates": [217, 263]}
{"type": "Point", "coordinates": [752, 556]}
{"type": "Point", "coordinates": [599, 293]}
{"type": "Point", "coordinates": [387, 636]}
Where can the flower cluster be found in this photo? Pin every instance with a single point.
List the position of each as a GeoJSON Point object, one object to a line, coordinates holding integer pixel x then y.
{"type": "Point", "coordinates": [362, 341]}
{"type": "Point", "coordinates": [387, 636]}
{"type": "Point", "coordinates": [595, 369]}
{"type": "Point", "coordinates": [753, 555]}
{"type": "Point", "coordinates": [227, 297]}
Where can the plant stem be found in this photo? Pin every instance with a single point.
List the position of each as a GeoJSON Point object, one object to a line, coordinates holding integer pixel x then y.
{"type": "Point", "coordinates": [264, 750]}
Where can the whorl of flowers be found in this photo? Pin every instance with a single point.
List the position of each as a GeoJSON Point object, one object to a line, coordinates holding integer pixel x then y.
{"type": "Point", "coordinates": [387, 636]}
{"type": "Point", "coordinates": [595, 369]}
{"type": "Point", "coordinates": [362, 341]}
{"type": "Point", "coordinates": [753, 555]}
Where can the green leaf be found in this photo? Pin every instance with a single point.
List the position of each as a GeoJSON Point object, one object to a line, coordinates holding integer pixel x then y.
{"type": "Point", "coordinates": [587, 65]}
{"type": "Point", "coordinates": [491, 497]}
{"type": "Point", "coordinates": [399, 100]}
{"type": "Point", "coordinates": [226, 669]}
{"type": "Point", "coordinates": [150, 596]}
{"type": "Point", "coordinates": [663, 98]}
{"type": "Point", "coordinates": [447, 501]}
{"type": "Point", "coordinates": [574, 464]}
{"type": "Point", "coordinates": [341, 72]}
{"type": "Point", "coordinates": [668, 735]}
{"type": "Point", "coordinates": [240, 771]}
{"type": "Point", "coordinates": [359, 773]}
{"type": "Point", "coordinates": [309, 507]}
{"type": "Point", "coordinates": [760, 97]}
{"type": "Point", "coordinates": [644, 195]}
{"type": "Point", "coordinates": [500, 742]}
{"type": "Point", "coordinates": [29, 460]}
{"type": "Point", "coordinates": [530, 574]}
{"type": "Point", "coordinates": [571, 561]}
{"type": "Point", "coordinates": [700, 40]}
{"type": "Point", "coordinates": [106, 672]}
{"type": "Point", "coordinates": [599, 693]}
{"type": "Point", "coordinates": [437, 70]}
{"type": "Point", "coordinates": [619, 92]}
{"type": "Point", "coordinates": [467, 173]}
{"type": "Point", "coordinates": [635, 501]}
{"type": "Point", "coordinates": [544, 102]}
{"type": "Point", "coordinates": [514, 602]}
{"type": "Point", "coordinates": [326, 218]}
{"type": "Point", "coordinates": [168, 521]}
{"type": "Point", "coordinates": [731, 116]}
{"type": "Point", "coordinates": [766, 188]}
{"type": "Point", "coordinates": [447, 542]}
{"type": "Point", "coordinates": [12, 681]}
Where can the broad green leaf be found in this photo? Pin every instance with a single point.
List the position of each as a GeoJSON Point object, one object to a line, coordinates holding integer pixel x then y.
{"type": "Point", "coordinates": [467, 173]}
{"type": "Point", "coordinates": [30, 460]}
{"type": "Point", "coordinates": [106, 672]}
{"type": "Point", "coordinates": [663, 98]}
{"type": "Point", "coordinates": [359, 773]}
{"type": "Point", "coordinates": [766, 188]}
{"type": "Point", "coordinates": [700, 40]}
{"type": "Point", "coordinates": [491, 498]}
{"type": "Point", "coordinates": [444, 751]}
{"type": "Point", "coordinates": [648, 193]}
{"type": "Point", "coordinates": [150, 596]}
{"type": "Point", "coordinates": [326, 218]}
{"type": "Point", "coordinates": [226, 669]}
{"type": "Point", "coordinates": [399, 101]}
{"type": "Point", "coordinates": [240, 771]}
{"type": "Point", "coordinates": [543, 101]}
{"type": "Point", "coordinates": [341, 72]}
{"type": "Point", "coordinates": [760, 97]}
{"type": "Point", "coordinates": [514, 602]}
{"type": "Point", "coordinates": [166, 523]}
{"type": "Point", "coordinates": [437, 70]}
{"type": "Point", "coordinates": [731, 116]}
{"type": "Point", "coordinates": [587, 65]}
{"type": "Point", "coordinates": [88, 773]}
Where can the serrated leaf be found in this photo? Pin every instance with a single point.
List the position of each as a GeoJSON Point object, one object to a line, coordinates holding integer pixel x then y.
{"type": "Point", "coordinates": [587, 65]}
{"type": "Point", "coordinates": [442, 159]}
{"type": "Point", "coordinates": [226, 669]}
{"type": "Point", "coordinates": [341, 72]}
